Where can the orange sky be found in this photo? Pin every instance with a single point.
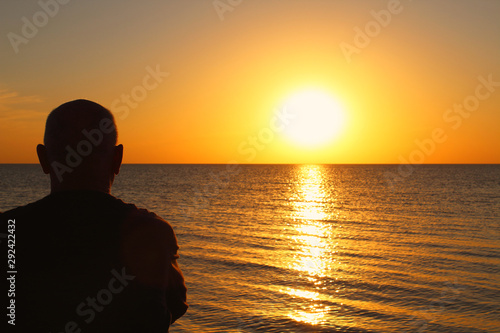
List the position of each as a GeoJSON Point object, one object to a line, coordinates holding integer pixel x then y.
{"type": "Point", "coordinates": [232, 68]}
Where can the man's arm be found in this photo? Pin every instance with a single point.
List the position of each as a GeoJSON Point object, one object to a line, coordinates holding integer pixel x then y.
{"type": "Point", "coordinates": [176, 292]}
{"type": "Point", "coordinates": [150, 250]}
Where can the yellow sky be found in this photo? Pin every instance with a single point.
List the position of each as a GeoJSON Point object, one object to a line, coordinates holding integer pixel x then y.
{"type": "Point", "coordinates": [232, 68]}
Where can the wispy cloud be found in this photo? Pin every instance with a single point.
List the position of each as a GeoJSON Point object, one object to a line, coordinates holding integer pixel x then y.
{"type": "Point", "coordinates": [17, 107]}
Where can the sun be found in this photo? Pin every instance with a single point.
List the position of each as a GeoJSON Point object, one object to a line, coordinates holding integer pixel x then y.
{"type": "Point", "coordinates": [316, 118]}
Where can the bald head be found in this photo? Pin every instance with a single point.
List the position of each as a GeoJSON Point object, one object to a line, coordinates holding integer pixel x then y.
{"type": "Point", "coordinates": [71, 123]}
{"type": "Point", "coordinates": [80, 145]}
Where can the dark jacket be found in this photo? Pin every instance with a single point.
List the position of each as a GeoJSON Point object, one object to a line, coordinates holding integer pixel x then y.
{"type": "Point", "coordinates": [87, 260]}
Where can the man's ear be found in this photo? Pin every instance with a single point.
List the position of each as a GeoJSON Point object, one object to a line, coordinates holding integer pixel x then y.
{"type": "Point", "coordinates": [117, 159]}
{"type": "Point", "coordinates": [41, 151]}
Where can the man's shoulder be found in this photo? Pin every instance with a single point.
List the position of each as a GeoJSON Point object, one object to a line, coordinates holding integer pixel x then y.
{"type": "Point", "coordinates": [23, 210]}
{"type": "Point", "coordinates": [142, 222]}
{"type": "Point", "coordinates": [68, 202]}
{"type": "Point", "coordinates": [91, 202]}
{"type": "Point", "coordinates": [141, 217]}
{"type": "Point", "coordinates": [88, 205]}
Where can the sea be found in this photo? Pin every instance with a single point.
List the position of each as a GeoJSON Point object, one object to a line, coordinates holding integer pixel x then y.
{"type": "Point", "coordinates": [321, 248]}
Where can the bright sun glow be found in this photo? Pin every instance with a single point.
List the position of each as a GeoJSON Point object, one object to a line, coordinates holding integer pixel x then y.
{"type": "Point", "coordinates": [317, 118]}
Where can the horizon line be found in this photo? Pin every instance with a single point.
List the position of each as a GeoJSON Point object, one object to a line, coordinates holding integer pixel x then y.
{"type": "Point", "coordinates": [283, 164]}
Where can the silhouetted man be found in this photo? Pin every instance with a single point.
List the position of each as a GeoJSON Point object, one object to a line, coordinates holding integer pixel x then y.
{"type": "Point", "coordinates": [85, 260]}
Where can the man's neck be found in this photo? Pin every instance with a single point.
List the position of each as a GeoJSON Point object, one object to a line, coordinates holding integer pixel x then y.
{"type": "Point", "coordinates": [80, 187]}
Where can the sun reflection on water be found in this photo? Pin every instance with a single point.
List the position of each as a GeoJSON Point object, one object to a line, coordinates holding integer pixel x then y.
{"type": "Point", "coordinates": [311, 194]}
{"type": "Point", "coordinates": [313, 247]}
{"type": "Point", "coordinates": [310, 232]}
